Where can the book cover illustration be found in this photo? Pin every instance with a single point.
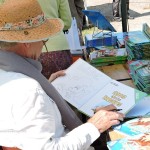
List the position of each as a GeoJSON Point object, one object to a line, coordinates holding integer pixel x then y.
{"type": "Point", "coordinates": [140, 73]}
{"type": "Point", "coordinates": [105, 55]}
{"type": "Point", "coordinates": [134, 126]}
{"type": "Point", "coordinates": [109, 51]}
{"type": "Point", "coordinates": [137, 45]}
{"type": "Point", "coordinates": [136, 37]}
{"type": "Point", "coordinates": [137, 52]}
{"type": "Point", "coordinates": [100, 40]}
{"type": "Point", "coordinates": [138, 142]}
{"type": "Point", "coordinates": [116, 93]}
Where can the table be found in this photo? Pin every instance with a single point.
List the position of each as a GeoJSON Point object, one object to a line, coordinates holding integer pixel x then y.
{"type": "Point", "coordinates": [113, 135]}
{"type": "Point", "coordinates": [118, 72]}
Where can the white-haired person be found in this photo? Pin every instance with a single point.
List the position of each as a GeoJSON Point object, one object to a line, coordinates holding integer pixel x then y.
{"type": "Point", "coordinates": [33, 116]}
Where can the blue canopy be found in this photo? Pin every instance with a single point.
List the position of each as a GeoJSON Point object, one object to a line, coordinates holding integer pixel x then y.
{"type": "Point", "coordinates": [98, 20]}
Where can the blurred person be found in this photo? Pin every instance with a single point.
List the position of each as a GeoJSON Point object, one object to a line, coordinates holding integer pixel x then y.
{"type": "Point", "coordinates": [116, 14]}
{"type": "Point", "coordinates": [57, 56]}
{"type": "Point", "coordinates": [76, 7]}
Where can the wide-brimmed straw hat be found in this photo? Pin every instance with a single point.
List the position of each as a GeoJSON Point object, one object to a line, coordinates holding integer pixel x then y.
{"type": "Point", "coordinates": [24, 21]}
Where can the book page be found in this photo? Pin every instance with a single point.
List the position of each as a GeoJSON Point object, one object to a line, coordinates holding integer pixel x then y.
{"type": "Point", "coordinates": [116, 93]}
{"type": "Point", "coordinates": [137, 37]}
{"type": "Point", "coordinates": [134, 126]}
{"type": "Point", "coordinates": [138, 142]}
{"type": "Point", "coordinates": [81, 82]}
{"type": "Point", "coordinates": [141, 109]}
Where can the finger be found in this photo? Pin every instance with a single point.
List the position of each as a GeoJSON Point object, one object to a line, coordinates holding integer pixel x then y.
{"type": "Point", "coordinates": [108, 107]}
{"type": "Point", "coordinates": [114, 122]}
{"type": "Point", "coordinates": [116, 116]}
{"type": "Point", "coordinates": [60, 73]}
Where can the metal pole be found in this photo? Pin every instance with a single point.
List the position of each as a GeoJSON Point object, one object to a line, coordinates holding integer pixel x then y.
{"type": "Point", "coordinates": [85, 5]}
{"type": "Point", "coordinates": [124, 15]}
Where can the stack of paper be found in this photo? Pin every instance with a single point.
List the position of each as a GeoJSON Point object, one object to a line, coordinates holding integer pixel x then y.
{"type": "Point", "coordinates": [137, 45]}
{"type": "Point", "coordinates": [140, 73]}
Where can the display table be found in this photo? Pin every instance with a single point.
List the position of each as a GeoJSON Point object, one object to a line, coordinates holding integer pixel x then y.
{"type": "Point", "coordinates": [118, 72]}
{"type": "Point", "coordinates": [113, 135]}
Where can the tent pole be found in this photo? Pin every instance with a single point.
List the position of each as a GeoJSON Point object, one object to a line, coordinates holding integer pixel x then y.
{"type": "Point", "coordinates": [124, 15]}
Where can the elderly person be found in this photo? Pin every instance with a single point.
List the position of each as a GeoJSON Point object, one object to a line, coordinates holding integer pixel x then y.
{"type": "Point", "coordinates": [33, 116]}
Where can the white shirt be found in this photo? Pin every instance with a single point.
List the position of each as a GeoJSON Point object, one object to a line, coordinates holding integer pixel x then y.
{"type": "Point", "coordinates": [30, 120]}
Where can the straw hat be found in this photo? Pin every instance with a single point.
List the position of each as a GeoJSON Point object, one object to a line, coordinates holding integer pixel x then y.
{"type": "Point", "coordinates": [23, 21]}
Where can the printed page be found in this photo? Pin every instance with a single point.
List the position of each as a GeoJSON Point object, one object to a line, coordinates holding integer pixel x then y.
{"type": "Point", "coordinates": [141, 109]}
{"type": "Point", "coordinates": [138, 142]}
{"type": "Point", "coordinates": [81, 82]}
{"type": "Point", "coordinates": [116, 93]}
{"type": "Point", "coordinates": [134, 126]}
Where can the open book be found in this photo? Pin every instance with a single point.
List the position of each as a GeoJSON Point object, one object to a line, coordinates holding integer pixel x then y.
{"type": "Point", "coordinates": [86, 88]}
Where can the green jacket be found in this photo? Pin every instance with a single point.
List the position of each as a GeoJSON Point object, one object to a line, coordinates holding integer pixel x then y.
{"type": "Point", "coordinates": [1, 1]}
{"type": "Point", "coordinates": [57, 9]}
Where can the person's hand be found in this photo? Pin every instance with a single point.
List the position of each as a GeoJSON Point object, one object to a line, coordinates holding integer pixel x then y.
{"type": "Point", "coordinates": [56, 75]}
{"type": "Point", "coordinates": [108, 107]}
{"type": "Point", "coordinates": [104, 118]}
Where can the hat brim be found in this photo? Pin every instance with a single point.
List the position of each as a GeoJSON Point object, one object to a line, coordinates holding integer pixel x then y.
{"type": "Point", "coordinates": [49, 28]}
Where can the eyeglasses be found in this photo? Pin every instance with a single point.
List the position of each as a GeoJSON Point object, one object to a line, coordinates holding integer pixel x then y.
{"type": "Point", "coordinates": [44, 43]}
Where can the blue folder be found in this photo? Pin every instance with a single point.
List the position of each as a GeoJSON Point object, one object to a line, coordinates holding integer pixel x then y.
{"type": "Point", "coordinates": [99, 20]}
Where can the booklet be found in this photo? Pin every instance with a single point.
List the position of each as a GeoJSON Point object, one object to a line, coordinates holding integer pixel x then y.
{"type": "Point", "coordinates": [140, 73]}
{"type": "Point", "coordinates": [105, 55]}
{"type": "Point", "coordinates": [137, 45]}
{"type": "Point", "coordinates": [138, 142]}
{"type": "Point", "coordinates": [141, 108]}
{"type": "Point", "coordinates": [86, 88]}
{"type": "Point", "coordinates": [134, 127]}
